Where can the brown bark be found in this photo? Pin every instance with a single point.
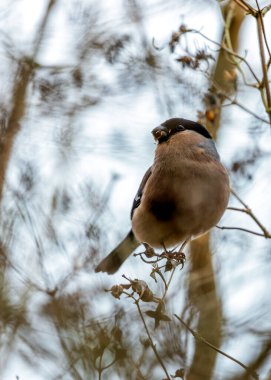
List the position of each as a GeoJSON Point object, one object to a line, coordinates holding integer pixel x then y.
{"type": "Point", "coordinates": [202, 283]}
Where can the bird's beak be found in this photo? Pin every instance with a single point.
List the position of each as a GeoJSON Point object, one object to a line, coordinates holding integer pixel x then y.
{"type": "Point", "coordinates": [160, 133]}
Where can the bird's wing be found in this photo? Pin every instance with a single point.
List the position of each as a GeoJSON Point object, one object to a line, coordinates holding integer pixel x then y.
{"type": "Point", "coordinates": [140, 190]}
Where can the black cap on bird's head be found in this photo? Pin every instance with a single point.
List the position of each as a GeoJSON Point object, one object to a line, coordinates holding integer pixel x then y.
{"type": "Point", "coordinates": [175, 125]}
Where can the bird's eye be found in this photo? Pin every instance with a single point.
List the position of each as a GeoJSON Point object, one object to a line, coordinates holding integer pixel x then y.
{"type": "Point", "coordinates": [180, 128]}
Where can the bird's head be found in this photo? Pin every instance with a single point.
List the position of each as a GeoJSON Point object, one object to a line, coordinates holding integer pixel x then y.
{"type": "Point", "coordinates": [170, 127]}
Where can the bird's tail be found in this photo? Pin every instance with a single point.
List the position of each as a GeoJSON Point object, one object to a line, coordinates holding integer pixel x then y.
{"type": "Point", "coordinates": [115, 259]}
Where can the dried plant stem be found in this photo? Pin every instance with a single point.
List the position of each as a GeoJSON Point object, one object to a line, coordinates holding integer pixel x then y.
{"type": "Point", "coordinates": [168, 283]}
{"type": "Point", "coordinates": [162, 278]}
{"type": "Point", "coordinates": [100, 369]}
{"type": "Point", "coordinates": [150, 339]}
{"type": "Point", "coordinates": [198, 337]}
{"type": "Point", "coordinates": [173, 271]}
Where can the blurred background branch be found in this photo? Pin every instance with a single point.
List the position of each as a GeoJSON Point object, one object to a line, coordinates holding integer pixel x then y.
{"type": "Point", "coordinates": [25, 68]}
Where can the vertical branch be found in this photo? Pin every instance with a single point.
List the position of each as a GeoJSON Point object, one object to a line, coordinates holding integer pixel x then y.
{"type": "Point", "coordinates": [42, 27]}
{"type": "Point", "coordinates": [25, 71]}
{"type": "Point", "coordinates": [234, 17]}
{"type": "Point", "coordinates": [204, 297]}
{"type": "Point", "coordinates": [260, 30]}
{"type": "Point", "coordinates": [202, 282]}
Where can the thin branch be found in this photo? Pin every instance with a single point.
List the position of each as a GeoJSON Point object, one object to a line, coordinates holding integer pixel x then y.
{"type": "Point", "coordinates": [229, 51]}
{"type": "Point", "coordinates": [246, 7]}
{"type": "Point", "coordinates": [252, 215]}
{"type": "Point", "coordinates": [100, 369]}
{"type": "Point", "coordinates": [239, 199]}
{"type": "Point", "coordinates": [260, 28]}
{"type": "Point", "coordinates": [198, 337]}
{"type": "Point", "coordinates": [150, 339]}
{"type": "Point", "coordinates": [237, 103]}
{"type": "Point", "coordinates": [168, 283]}
{"type": "Point", "coordinates": [244, 108]}
{"type": "Point", "coordinates": [266, 9]}
{"type": "Point", "coordinates": [241, 229]}
{"type": "Point", "coordinates": [141, 254]}
{"type": "Point", "coordinates": [259, 82]}
{"type": "Point", "coordinates": [237, 209]}
{"type": "Point", "coordinates": [261, 14]}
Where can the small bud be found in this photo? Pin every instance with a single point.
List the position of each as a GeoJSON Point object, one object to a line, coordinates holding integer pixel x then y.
{"type": "Point", "coordinates": [175, 37]}
{"type": "Point", "coordinates": [138, 286]}
{"type": "Point", "coordinates": [116, 291]}
{"type": "Point", "coordinates": [169, 266]}
{"type": "Point", "coordinates": [179, 374]}
{"type": "Point", "coordinates": [147, 295]}
{"type": "Point", "coordinates": [149, 252]}
{"type": "Point", "coordinates": [183, 28]}
{"type": "Point", "coordinates": [210, 115]}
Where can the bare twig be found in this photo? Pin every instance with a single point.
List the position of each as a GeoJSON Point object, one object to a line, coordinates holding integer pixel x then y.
{"type": "Point", "coordinates": [197, 336]}
{"type": "Point", "coordinates": [229, 51]}
{"type": "Point", "coordinates": [168, 283]}
{"type": "Point", "coordinates": [266, 9]}
{"type": "Point", "coordinates": [240, 105]}
{"type": "Point", "coordinates": [150, 339]}
{"type": "Point", "coordinates": [266, 234]}
{"type": "Point", "coordinates": [260, 29]}
{"type": "Point", "coordinates": [234, 101]}
{"type": "Point", "coordinates": [244, 5]}
{"type": "Point", "coordinates": [100, 368]}
{"type": "Point", "coordinates": [237, 209]}
{"type": "Point", "coordinates": [237, 103]}
{"type": "Point", "coordinates": [261, 14]}
{"type": "Point", "coordinates": [241, 229]}
{"type": "Point", "coordinates": [162, 278]}
{"type": "Point", "coordinates": [259, 82]}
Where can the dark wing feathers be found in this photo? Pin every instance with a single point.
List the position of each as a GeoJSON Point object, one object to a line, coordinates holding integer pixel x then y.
{"type": "Point", "coordinates": [140, 190]}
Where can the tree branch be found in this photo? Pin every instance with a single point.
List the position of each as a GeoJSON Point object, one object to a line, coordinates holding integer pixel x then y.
{"type": "Point", "coordinates": [198, 337]}
{"type": "Point", "coordinates": [266, 234]}
{"type": "Point", "coordinates": [260, 29]}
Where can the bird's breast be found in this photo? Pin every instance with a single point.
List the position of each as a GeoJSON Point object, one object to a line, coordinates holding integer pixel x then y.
{"type": "Point", "coordinates": [180, 203]}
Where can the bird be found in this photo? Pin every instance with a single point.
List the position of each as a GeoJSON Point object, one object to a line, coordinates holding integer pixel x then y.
{"type": "Point", "coordinates": [181, 196]}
